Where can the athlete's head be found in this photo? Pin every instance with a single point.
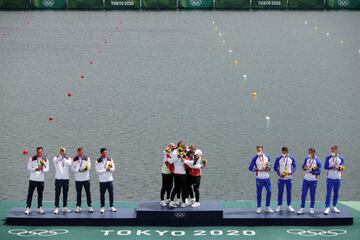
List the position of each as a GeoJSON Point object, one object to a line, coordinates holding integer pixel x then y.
{"type": "Point", "coordinates": [192, 148]}
{"type": "Point", "coordinates": [62, 151]}
{"type": "Point", "coordinates": [259, 150]}
{"type": "Point", "coordinates": [284, 151]}
{"type": "Point", "coordinates": [312, 152]}
{"type": "Point", "coordinates": [103, 152]}
{"type": "Point", "coordinates": [80, 151]}
{"type": "Point", "coordinates": [334, 150]}
{"type": "Point", "coordinates": [39, 151]}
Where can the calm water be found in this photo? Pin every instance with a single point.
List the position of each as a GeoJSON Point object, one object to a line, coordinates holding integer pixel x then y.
{"type": "Point", "coordinates": [165, 76]}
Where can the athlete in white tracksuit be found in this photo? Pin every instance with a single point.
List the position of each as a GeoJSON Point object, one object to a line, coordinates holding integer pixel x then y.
{"type": "Point", "coordinates": [81, 166]}
{"type": "Point", "coordinates": [62, 164]}
{"type": "Point", "coordinates": [105, 166]}
{"type": "Point", "coordinates": [334, 164]}
{"type": "Point", "coordinates": [37, 166]}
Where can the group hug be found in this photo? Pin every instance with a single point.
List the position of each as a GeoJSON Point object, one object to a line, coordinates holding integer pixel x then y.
{"type": "Point", "coordinates": [285, 167]}
{"type": "Point", "coordinates": [181, 176]}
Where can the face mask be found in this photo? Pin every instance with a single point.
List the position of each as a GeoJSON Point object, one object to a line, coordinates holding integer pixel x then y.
{"type": "Point", "coordinates": [39, 154]}
{"type": "Point", "coordinates": [103, 155]}
{"type": "Point", "coordinates": [284, 155]}
{"type": "Point", "coordinates": [259, 153]}
{"type": "Point", "coordinates": [333, 154]}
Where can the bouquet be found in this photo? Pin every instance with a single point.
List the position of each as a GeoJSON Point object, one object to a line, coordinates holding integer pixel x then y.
{"type": "Point", "coordinates": [341, 168]}
{"type": "Point", "coordinates": [204, 161]}
{"type": "Point", "coordinates": [314, 168]}
{"type": "Point", "coordinates": [42, 162]}
{"type": "Point", "coordinates": [86, 166]}
{"type": "Point", "coordinates": [181, 152]}
{"type": "Point", "coordinates": [168, 150]}
{"type": "Point", "coordinates": [284, 174]}
{"type": "Point", "coordinates": [109, 165]}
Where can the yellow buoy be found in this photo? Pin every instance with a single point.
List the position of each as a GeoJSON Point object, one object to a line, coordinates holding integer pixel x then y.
{"type": "Point", "coordinates": [236, 61]}
{"type": "Point", "coordinates": [254, 94]}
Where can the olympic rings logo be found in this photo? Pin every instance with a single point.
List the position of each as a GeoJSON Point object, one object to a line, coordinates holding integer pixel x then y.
{"type": "Point", "coordinates": [48, 3]}
{"type": "Point", "coordinates": [38, 232]}
{"type": "Point", "coordinates": [180, 214]}
{"type": "Point", "coordinates": [317, 232]}
{"type": "Point", "coordinates": [343, 3]}
{"type": "Point", "coordinates": [195, 3]}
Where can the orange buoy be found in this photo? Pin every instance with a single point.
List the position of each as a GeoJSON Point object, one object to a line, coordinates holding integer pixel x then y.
{"type": "Point", "coordinates": [25, 151]}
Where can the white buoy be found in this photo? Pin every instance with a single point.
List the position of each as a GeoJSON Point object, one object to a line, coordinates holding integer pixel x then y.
{"type": "Point", "coordinates": [230, 51]}
{"type": "Point", "coordinates": [341, 41]}
{"type": "Point", "coordinates": [327, 34]}
{"type": "Point", "coordinates": [220, 34]}
{"type": "Point", "coordinates": [244, 76]}
{"type": "Point", "coordinates": [359, 51]}
{"type": "Point", "coordinates": [216, 28]}
{"type": "Point", "coordinates": [305, 22]}
{"type": "Point", "coordinates": [267, 118]}
{"type": "Point", "coordinates": [316, 28]}
{"type": "Point", "coordinates": [223, 41]}
{"type": "Point", "coordinates": [213, 22]}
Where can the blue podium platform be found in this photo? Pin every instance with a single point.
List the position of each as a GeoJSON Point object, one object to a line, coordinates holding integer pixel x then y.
{"type": "Point", "coordinates": [150, 213]}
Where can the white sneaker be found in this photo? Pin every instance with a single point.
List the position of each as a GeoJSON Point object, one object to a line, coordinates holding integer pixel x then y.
{"type": "Point", "coordinates": [278, 209]}
{"type": "Point", "coordinates": [312, 211]}
{"type": "Point", "coordinates": [172, 204]}
{"type": "Point", "coordinates": [336, 210]}
{"type": "Point", "coordinates": [177, 202]}
{"type": "Point", "coordinates": [56, 211]}
{"type": "Point", "coordinates": [192, 201]}
{"type": "Point", "coordinates": [195, 205]}
{"type": "Point", "coordinates": [91, 210]}
{"type": "Point", "coordinates": [187, 202]}
{"type": "Point", "coordinates": [183, 205]}
{"type": "Point", "coordinates": [269, 210]}
{"type": "Point", "coordinates": [167, 201]}
{"type": "Point", "coordinates": [66, 210]}
{"type": "Point", "coordinates": [163, 203]}
{"type": "Point", "coordinates": [78, 209]}
{"type": "Point", "coordinates": [102, 210]}
{"type": "Point", "coordinates": [27, 211]}
{"type": "Point", "coordinates": [301, 211]}
{"type": "Point", "coordinates": [290, 209]}
{"type": "Point", "coordinates": [326, 211]}
{"type": "Point", "coordinates": [113, 209]}
{"type": "Point", "coordinates": [258, 210]}
{"type": "Point", "coordinates": [40, 210]}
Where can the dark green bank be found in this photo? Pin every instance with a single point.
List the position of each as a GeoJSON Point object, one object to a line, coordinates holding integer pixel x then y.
{"type": "Point", "coordinates": [232, 4]}
{"type": "Point", "coordinates": [14, 4]}
{"type": "Point", "coordinates": [85, 4]}
{"type": "Point", "coordinates": [305, 4]}
{"type": "Point", "coordinates": [158, 4]}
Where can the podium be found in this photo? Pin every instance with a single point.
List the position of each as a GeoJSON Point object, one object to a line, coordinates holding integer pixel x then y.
{"type": "Point", "coordinates": [150, 213]}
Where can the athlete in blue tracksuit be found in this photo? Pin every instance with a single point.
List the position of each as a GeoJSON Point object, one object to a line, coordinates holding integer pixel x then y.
{"type": "Point", "coordinates": [261, 165]}
{"type": "Point", "coordinates": [285, 166]}
{"type": "Point", "coordinates": [334, 164]}
{"type": "Point", "coordinates": [312, 168]}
